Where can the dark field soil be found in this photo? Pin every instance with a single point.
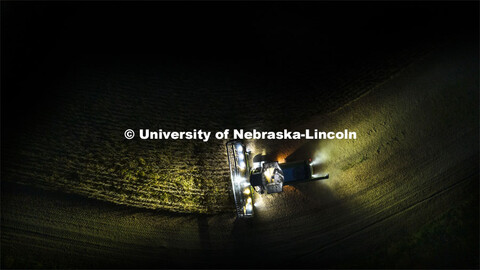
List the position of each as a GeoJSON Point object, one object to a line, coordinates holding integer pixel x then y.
{"type": "Point", "coordinates": [77, 193]}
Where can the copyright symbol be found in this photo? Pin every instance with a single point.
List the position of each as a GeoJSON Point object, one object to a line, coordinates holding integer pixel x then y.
{"type": "Point", "coordinates": [129, 134]}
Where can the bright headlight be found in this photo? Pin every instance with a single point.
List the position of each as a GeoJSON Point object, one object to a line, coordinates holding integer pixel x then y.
{"type": "Point", "coordinates": [241, 164]}
{"type": "Point", "coordinates": [249, 207]}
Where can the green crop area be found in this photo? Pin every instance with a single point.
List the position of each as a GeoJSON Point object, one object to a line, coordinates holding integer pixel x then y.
{"type": "Point", "coordinates": [159, 175]}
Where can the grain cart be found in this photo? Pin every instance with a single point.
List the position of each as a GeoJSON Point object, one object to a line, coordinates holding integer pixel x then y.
{"type": "Point", "coordinates": [261, 176]}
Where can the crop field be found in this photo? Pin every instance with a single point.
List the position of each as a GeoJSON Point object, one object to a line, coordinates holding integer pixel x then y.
{"type": "Point", "coordinates": [81, 149]}
{"type": "Point", "coordinates": [373, 186]}
{"type": "Point", "coordinates": [75, 193]}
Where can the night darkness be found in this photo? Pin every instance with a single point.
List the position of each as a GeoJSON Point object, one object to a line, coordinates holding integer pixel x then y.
{"type": "Point", "coordinates": [75, 75]}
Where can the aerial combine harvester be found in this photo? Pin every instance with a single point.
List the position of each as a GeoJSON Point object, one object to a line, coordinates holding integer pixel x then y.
{"type": "Point", "coordinates": [262, 176]}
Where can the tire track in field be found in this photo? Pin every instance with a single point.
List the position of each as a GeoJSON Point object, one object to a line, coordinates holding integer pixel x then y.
{"type": "Point", "coordinates": [465, 181]}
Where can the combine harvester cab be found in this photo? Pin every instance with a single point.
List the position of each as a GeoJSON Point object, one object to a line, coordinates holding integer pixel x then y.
{"type": "Point", "coordinates": [269, 177]}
